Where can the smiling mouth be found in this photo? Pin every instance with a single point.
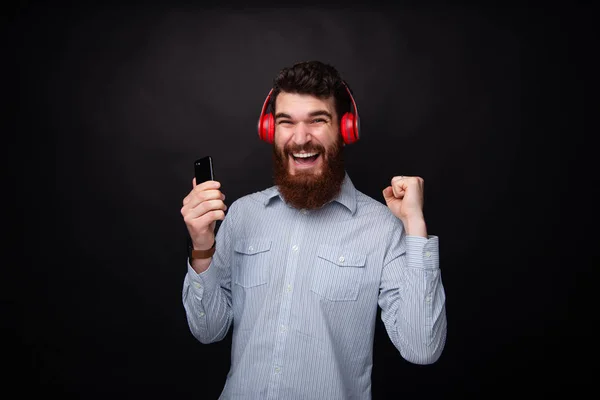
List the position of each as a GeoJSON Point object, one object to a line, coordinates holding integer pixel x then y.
{"type": "Point", "coordinates": [305, 158]}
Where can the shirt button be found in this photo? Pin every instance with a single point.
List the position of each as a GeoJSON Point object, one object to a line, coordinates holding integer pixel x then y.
{"type": "Point", "coordinates": [342, 259]}
{"type": "Point", "coordinates": [283, 328]}
{"type": "Point", "coordinates": [201, 314]}
{"type": "Point", "coordinates": [304, 212]}
{"type": "Point", "coordinates": [196, 285]}
{"type": "Point", "coordinates": [295, 247]}
{"type": "Point", "coordinates": [288, 288]}
{"type": "Point", "coordinates": [250, 248]}
{"type": "Point", "coordinates": [427, 254]}
{"type": "Point", "coordinates": [277, 369]}
{"type": "Point", "coordinates": [428, 299]}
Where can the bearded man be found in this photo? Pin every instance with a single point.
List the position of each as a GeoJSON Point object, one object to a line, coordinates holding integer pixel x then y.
{"type": "Point", "coordinates": [300, 269]}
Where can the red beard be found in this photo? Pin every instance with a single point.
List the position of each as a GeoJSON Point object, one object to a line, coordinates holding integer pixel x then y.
{"type": "Point", "coordinates": [306, 190]}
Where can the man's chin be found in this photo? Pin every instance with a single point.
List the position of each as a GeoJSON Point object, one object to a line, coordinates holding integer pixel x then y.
{"type": "Point", "coordinates": [304, 172]}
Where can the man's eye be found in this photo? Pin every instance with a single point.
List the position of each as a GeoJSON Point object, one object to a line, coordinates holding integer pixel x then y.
{"type": "Point", "coordinates": [284, 122]}
{"type": "Point", "coordinates": [318, 120]}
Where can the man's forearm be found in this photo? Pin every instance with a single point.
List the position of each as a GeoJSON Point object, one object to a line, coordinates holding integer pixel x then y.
{"type": "Point", "coordinates": [200, 265]}
{"type": "Point", "coordinates": [207, 305]}
{"type": "Point", "coordinates": [415, 226]}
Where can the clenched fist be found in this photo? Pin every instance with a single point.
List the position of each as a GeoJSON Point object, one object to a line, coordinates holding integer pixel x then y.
{"type": "Point", "coordinates": [404, 197]}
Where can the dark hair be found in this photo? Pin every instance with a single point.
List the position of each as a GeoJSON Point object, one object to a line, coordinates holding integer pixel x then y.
{"type": "Point", "coordinates": [315, 78]}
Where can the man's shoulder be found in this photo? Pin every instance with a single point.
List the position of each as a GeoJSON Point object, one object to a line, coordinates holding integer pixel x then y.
{"type": "Point", "coordinates": [367, 206]}
{"type": "Point", "coordinates": [367, 203]}
{"type": "Point", "coordinates": [255, 198]}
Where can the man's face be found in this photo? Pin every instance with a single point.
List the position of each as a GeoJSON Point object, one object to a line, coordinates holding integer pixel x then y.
{"type": "Point", "coordinates": [308, 161]}
{"type": "Point", "coordinates": [306, 128]}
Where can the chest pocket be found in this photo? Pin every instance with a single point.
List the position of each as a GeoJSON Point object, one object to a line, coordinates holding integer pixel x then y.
{"type": "Point", "coordinates": [338, 273]}
{"type": "Point", "coordinates": [252, 262]}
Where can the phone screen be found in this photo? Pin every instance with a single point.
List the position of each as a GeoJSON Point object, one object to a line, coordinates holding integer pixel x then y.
{"type": "Point", "coordinates": [203, 169]}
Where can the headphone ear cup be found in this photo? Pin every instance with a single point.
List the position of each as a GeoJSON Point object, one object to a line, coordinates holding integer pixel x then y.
{"type": "Point", "coordinates": [349, 128]}
{"type": "Point", "coordinates": [266, 129]}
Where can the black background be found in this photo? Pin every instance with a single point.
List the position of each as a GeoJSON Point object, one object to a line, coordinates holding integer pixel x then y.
{"type": "Point", "coordinates": [107, 107]}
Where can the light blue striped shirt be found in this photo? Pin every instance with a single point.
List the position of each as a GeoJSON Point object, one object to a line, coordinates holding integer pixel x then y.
{"type": "Point", "coordinates": [302, 290]}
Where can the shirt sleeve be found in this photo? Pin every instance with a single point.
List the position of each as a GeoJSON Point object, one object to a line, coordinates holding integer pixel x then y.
{"type": "Point", "coordinates": [207, 296]}
{"type": "Point", "coordinates": [412, 298]}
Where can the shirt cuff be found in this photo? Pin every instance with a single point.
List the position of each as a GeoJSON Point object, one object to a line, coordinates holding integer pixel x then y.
{"type": "Point", "coordinates": [204, 282]}
{"type": "Point", "coordinates": [423, 252]}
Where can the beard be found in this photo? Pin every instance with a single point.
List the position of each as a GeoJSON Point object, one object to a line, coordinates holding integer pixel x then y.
{"type": "Point", "coordinates": [307, 190]}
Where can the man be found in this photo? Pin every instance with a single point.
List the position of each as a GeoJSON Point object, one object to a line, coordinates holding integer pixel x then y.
{"type": "Point", "coordinates": [300, 268]}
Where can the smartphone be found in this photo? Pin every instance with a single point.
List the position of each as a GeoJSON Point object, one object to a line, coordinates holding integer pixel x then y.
{"type": "Point", "coordinates": [203, 169]}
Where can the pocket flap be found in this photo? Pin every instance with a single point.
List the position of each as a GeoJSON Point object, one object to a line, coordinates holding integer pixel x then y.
{"type": "Point", "coordinates": [341, 257]}
{"type": "Point", "coordinates": [252, 246]}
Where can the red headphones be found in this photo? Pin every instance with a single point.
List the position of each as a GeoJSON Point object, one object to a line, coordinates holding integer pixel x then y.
{"type": "Point", "coordinates": [349, 124]}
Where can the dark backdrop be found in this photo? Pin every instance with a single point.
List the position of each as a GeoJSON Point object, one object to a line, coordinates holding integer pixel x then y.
{"type": "Point", "coordinates": [107, 108]}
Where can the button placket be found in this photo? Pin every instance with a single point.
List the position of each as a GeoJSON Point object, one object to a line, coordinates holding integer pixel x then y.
{"type": "Point", "coordinates": [285, 307]}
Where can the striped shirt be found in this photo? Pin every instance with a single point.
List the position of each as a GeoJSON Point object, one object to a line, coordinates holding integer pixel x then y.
{"type": "Point", "coordinates": [302, 290]}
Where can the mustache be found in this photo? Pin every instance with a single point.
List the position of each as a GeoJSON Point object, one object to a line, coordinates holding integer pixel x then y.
{"type": "Point", "coordinates": [308, 148]}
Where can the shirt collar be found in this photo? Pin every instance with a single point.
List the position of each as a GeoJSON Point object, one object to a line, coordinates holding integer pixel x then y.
{"type": "Point", "coordinates": [346, 197]}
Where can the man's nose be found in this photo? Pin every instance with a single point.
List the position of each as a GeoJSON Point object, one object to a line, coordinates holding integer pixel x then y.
{"type": "Point", "coordinates": [301, 134]}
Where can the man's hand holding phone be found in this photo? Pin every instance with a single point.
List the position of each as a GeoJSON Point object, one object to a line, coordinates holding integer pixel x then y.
{"type": "Point", "coordinates": [202, 207]}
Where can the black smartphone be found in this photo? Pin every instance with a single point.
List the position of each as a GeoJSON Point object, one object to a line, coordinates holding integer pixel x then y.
{"type": "Point", "coordinates": [203, 169]}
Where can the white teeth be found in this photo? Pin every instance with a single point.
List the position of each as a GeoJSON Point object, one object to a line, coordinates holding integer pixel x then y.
{"type": "Point", "coordinates": [304, 155]}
